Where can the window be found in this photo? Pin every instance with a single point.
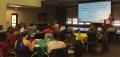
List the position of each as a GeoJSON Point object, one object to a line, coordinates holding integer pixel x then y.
{"type": "Point", "coordinates": [14, 19]}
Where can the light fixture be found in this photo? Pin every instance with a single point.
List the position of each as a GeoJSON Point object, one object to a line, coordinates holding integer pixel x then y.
{"type": "Point", "coordinates": [75, 21]}
{"type": "Point", "coordinates": [87, 23]}
{"type": "Point", "coordinates": [14, 6]}
{"type": "Point", "coordinates": [69, 22]}
{"type": "Point", "coordinates": [80, 23]}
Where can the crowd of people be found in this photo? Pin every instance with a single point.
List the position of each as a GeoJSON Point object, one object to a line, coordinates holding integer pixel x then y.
{"type": "Point", "coordinates": [21, 39]}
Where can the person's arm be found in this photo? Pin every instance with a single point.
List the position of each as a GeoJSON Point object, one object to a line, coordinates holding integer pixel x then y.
{"type": "Point", "coordinates": [64, 45]}
{"type": "Point", "coordinates": [15, 44]}
{"type": "Point", "coordinates": [31, 46]}
{"type": "Point", "coordinates": [48, 48]}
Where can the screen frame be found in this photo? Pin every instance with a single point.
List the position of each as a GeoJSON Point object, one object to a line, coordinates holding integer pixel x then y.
{"type": "Point", "coordinates": [117, 31]}
{"type": "Point", "coordinates": [84, 29]}
{"type": "Point", "coordinates": [81, 2]}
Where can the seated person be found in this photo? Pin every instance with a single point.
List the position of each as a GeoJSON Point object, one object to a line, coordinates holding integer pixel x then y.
{"type": "Point", "coordinates": [24, 47]}
{"type": "Point", "coordinates": [92, 40]}
{"type": "Point", "coordinates": [82, 37]}
{"type": "Point", "coordinates": [39, 36]}
{"type": "Point", "coordinates": [55, 44]}
{"type": "Point", "coordinates": [91, 36]}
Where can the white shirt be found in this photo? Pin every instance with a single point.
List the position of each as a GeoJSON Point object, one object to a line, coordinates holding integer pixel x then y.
{"type": "Point", "coordinates": [55, 45]}
{"type": "Point", "coordinates": [48, 35]}
{"type": "Point", "coordinates": [22, 29]}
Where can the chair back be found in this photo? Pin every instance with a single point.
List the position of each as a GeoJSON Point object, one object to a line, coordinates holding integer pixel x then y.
{"type": "Point", "coordinates": [62, 52]}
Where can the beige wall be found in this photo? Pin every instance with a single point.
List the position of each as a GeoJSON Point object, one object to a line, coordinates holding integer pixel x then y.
{"type": "Point", "coordinates": [35, 3]}
{"type": "Point", "coordinates": [5, 21]}
{"type": "Point", "coordinates": [25, 15]}
{"type": "Point", "coordinates": [29, 15]}
{"type": "Point", "coordinates": [2, 14]}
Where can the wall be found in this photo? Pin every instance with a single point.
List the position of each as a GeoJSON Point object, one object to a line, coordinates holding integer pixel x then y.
{"type": "Point", "coordinates": [72, 12]}
{"type": "Point", "coordinates": [25, 15]}
{"type": "Point", "coordinates": [30, 15]}
{"type": "Point", "coordinates": [35, 3]}
{"type": "Point", "coordinates": [61, 14]}
{"type": "Point", "coordinates": [116, 11]}
{"type": "Point", "coordinates": [51, 13]}
{"type": "Point", "coordinates": [3, 13]}
{"type": "Point", "coordinates": [3, 9]}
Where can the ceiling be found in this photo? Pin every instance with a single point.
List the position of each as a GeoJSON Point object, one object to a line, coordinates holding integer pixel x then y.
{"type": "Point", "coordinates": [70, 2]}
{"type": "Point", "coordinates": [60, 2]}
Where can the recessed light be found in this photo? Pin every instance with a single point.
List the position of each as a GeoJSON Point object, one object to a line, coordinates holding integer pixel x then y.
{"type": "Point", "coordinates": [14, 6]}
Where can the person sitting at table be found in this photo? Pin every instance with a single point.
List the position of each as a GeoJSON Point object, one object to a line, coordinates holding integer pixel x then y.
{"type": "Point", "coordinates": [55, 44]}
{"type": "Point", "coordinates": [92, 40]}
{"type": "Point", "coordinates": [48, 31]}
{"type": "Point", "coordinates": [24, 47]}
{"type": "Point", "coordinates": [9, 41]}
{"type": "Point", "coordinates": [11, 38]}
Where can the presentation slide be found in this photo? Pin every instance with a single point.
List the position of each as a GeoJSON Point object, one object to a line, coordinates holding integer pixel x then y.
{"type": "Point", "coordinates": [94, 11]}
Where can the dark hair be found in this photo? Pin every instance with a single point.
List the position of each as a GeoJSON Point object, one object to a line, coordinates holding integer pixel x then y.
{"type": "Point", "coordinates": [31, 24]}
{"type": "Point", "coordinates": [56, 35]}
{"type": "Point", "coordinates": [13, 30]}
{"type": "Point", "coordinates": [1, 26]}
{"type": "Point", "coordinates": [23, 34]}
{"type": "Point", "coordinates": [20, 37]}
{"type": "Point", "coordinates": [39, 36]}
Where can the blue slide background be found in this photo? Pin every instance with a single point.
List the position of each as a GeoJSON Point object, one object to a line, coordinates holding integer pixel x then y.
{"type": "Point", "coordinates": [94, 11]}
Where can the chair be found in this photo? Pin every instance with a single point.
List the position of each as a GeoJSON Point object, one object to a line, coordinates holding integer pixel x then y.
{"type": "Point", "coordinates": [1, 53]}
{"type": "Point", "coordinates": [62, 52]}
{"type": "Point", "coordinates": [11, 53]}
{"type": "Point", "coordinates": [2, 36]}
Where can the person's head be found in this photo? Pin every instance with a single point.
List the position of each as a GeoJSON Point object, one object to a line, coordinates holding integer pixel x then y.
{"type": "Point", "coordinates": [91, 29]}
{"type": "Point", "coordinates": [1, 27]}
{"type": "Point", "coordinates": [14, 31]}
{"type": "Point", "coordinates": [39, 36]}
{"type": "Point", "coordinates": [25, 35]}
{"type": "Point", "coordinates": [56, 35]}
{"type": "Point", "coordinates": [9, 28]}
{"type": "Point", "coordinates": [32, 24]}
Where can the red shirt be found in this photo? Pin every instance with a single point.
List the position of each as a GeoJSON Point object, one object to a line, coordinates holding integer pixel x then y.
{"type": "Point", "coordinates": [48, 30]}
{"type": "Point", "coordinates": [11, 40]}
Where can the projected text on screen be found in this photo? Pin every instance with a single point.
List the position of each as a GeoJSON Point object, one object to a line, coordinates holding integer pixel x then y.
{"type": "Point", "coordinates": [94, 11]}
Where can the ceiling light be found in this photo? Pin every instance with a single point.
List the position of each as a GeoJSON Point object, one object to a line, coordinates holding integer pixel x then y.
{"type": "Point", "coordinates": [14, 6]}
